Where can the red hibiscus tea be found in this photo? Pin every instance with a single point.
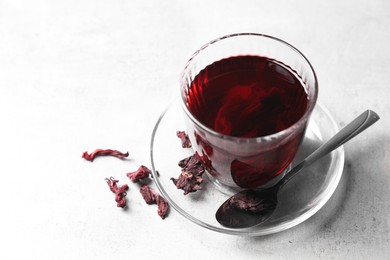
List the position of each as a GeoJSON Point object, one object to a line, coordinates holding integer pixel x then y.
{"type": "Point", "coordinates": [247, 96]}
{"type": "Point", "coordinates": [247, 113]}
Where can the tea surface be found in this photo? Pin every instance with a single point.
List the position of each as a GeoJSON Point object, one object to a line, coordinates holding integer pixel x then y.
{"type": "Point", "coordinates": [247, 96]}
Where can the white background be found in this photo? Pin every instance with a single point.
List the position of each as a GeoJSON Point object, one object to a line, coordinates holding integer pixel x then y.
{"type": "Point", "coordinates": [76, 75]}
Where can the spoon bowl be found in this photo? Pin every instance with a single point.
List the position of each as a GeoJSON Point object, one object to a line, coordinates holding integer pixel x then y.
{"type": "Point", "coordinates": [259, 206]}
{"type": "Point", "coordinates": [254, 206]}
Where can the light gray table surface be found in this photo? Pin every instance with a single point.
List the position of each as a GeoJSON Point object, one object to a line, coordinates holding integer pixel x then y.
{"type": "Point", "coordinates": [80, 74]}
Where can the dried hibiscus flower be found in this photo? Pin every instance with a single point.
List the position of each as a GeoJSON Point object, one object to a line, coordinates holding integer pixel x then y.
{"type": "Point", "coordinates": [104, 152]}
{"type": "Point", "coordinates": [185, 141]}
{"type": "Point", "coordinates": [148, 194]}
{"type": "Point", "coordinates": [163, 206]}
{"type": "Point", "coordinates": [142, 173]}
{"type": "Point", "coordinates": [151, 197]}
{"type": "Point", "coordinates": [120, 192]}
{"type": "Point", "coordinates": [190, 177]}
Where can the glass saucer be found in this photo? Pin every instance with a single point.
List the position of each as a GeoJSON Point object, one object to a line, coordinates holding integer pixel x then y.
{"type": "Point", "coordinates": [300, 199]}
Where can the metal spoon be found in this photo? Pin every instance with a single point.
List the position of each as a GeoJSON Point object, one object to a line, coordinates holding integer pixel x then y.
{"type": "Point", "coordinates": [254, 206]}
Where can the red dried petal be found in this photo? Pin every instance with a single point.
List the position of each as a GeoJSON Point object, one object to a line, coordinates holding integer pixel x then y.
{"type": "Point", "coordinates": [182, 163]}
{"type": "Point", "coordinates": [188, 182]}
{"type": "Point", "coordinates": [119, 197]}
{"type": "Point", "coordinates": [120, 192]}
{"type": "Point", "coordinates": [190, 177]}
{"type": "Point", "coordinates": [185, 141]}
{"type": "Point", "coordinates": [152, 197]}
{"type": "Point", "coordinates": [163, 206]}
{"type": "Point", "coordinates": [148, 194]}
{"type": "Point", "coordinates": [123, 188]}
{"type": "Point", "coordinates": [142, 173]}
{"type": "Point", "coordinates": [112, 184]}
{"type": "Point", "coordinates": [193, 164]}
{"type": "Point", "coordinates": [104, 152]}
{"type": "Point", "coordinates": [122, 202]}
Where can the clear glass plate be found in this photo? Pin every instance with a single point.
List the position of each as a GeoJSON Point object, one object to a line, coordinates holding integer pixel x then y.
{"type": "Point", "coordinates": [300, 199]}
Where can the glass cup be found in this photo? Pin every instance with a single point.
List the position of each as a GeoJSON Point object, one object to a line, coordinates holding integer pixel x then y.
{"type": "Point", "coordinates": [247, 162]}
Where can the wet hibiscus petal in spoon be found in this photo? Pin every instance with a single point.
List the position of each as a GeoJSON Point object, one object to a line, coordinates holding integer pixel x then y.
{"type": "Point", "coordinates": [250, 202]}
{"type": "Point", "coordinates": [247, 208]}
{"type": "Point", "coordinates": [104, 152]}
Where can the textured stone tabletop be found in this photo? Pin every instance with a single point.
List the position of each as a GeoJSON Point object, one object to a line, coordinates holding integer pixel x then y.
{"type": "Point", "coordinates": [76, 75]}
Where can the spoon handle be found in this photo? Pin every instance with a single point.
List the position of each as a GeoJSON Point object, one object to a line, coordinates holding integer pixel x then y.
{"type": "Point", "coordinates": [358, 125]}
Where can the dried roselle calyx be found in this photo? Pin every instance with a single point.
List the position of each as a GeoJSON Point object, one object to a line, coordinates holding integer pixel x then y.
{"type": "Point", "coordinates": [148, 194]}
{"type": "Point", "coordinates": [123, 188]}
{"type": "Point", "coordinates": [190, 177]}
{"type": "Point", "coordinates": [104, 152]}
{"type": "Point", "coordinates": [194, 164]}
{"type": "Point", "coordinates": [120, 192]}
{"type": "Point", "coordinates": [163, 206]}
{"type": "Point", "coordinates": [121, 200]}
{"type": "Point", "coordinates": [152, 197]}
{"type": "Point", "coordinates": [112, 183]}
{"type": "Point", "coordinates": [142, 173]}
{"type": "Point", "coordinates": [188, 182]}
{"type": "Point", "coordinates": [185, 141]}
{"type": "Point", "coordinates": [182, 163]}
